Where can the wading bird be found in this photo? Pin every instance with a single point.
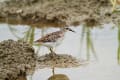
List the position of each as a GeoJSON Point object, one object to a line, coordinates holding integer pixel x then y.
{"type": "Point", "coordinates": [53, 39]}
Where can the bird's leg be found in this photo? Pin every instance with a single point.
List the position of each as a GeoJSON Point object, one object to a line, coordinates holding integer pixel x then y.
{"type": "Point", "coordinates": [52, 52]}
{"type": "Point", "coordinates": [53, 71]}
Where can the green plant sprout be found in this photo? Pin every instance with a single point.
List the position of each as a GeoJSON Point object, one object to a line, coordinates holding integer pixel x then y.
{"type": "Point", "coordinates": [29, 35]}
{"type": "Point", "coordinates": [89, 42]}
{"type": "Point", "coordinates": [118, 44]}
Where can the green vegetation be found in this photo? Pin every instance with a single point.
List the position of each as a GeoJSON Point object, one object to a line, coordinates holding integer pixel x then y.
{"type": "Point", "coordinates": [90, 50]}
{"type": "Point", "coordinates": [29, 35]}
{"type": "Point", "coordinates": [118, 44]}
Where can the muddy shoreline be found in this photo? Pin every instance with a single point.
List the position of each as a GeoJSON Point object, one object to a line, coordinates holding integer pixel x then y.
{"type": "Point", "coordinates": [58, 13]}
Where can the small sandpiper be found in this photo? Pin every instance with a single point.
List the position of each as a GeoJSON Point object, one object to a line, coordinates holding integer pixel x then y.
{"type": "Point", "coordinates": [53, 39]}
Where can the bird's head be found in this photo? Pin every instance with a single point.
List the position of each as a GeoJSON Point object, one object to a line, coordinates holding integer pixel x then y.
{"type": "Point", "coordinates": [68, 29]}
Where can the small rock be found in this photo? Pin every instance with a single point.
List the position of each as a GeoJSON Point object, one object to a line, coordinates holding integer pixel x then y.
{"type": "Point", "coordinates": [58, 77]}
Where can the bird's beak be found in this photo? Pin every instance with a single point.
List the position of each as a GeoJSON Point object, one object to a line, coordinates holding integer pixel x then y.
{"type": "Point", "coordinates": [72, 30]}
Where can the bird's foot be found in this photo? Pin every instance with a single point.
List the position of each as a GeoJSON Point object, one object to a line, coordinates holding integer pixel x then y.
{"type": "Point", "coordinates": [53, 55]}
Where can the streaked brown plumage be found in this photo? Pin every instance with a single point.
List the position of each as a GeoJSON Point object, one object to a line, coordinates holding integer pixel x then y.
{"type": "Point", "coordinates": [53, 39]}
{"type": "Point", "coordinates": [48, 38]}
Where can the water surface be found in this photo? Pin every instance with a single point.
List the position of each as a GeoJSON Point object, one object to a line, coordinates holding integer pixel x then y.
{"type": "Point", "coordinates": [105, 44]}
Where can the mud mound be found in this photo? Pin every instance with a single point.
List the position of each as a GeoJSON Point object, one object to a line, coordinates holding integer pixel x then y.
{"type": "Point", "coordinates": [16, 57]}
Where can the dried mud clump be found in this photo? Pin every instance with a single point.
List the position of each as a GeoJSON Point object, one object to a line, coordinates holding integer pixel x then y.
{"type": "Point", "coordinates": [59, 12]}
{"type": "Point", "coordinates": [16, 58]}
{"type": "Point", "coordinates": [58, 61]}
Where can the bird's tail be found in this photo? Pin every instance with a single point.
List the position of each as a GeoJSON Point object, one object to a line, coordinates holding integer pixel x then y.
{"type": "Point", "coordinates": [37, 42]}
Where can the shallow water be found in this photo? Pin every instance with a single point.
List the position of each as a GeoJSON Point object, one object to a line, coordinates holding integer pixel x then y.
{"type": "Point", "coordinates": [105, 43]}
